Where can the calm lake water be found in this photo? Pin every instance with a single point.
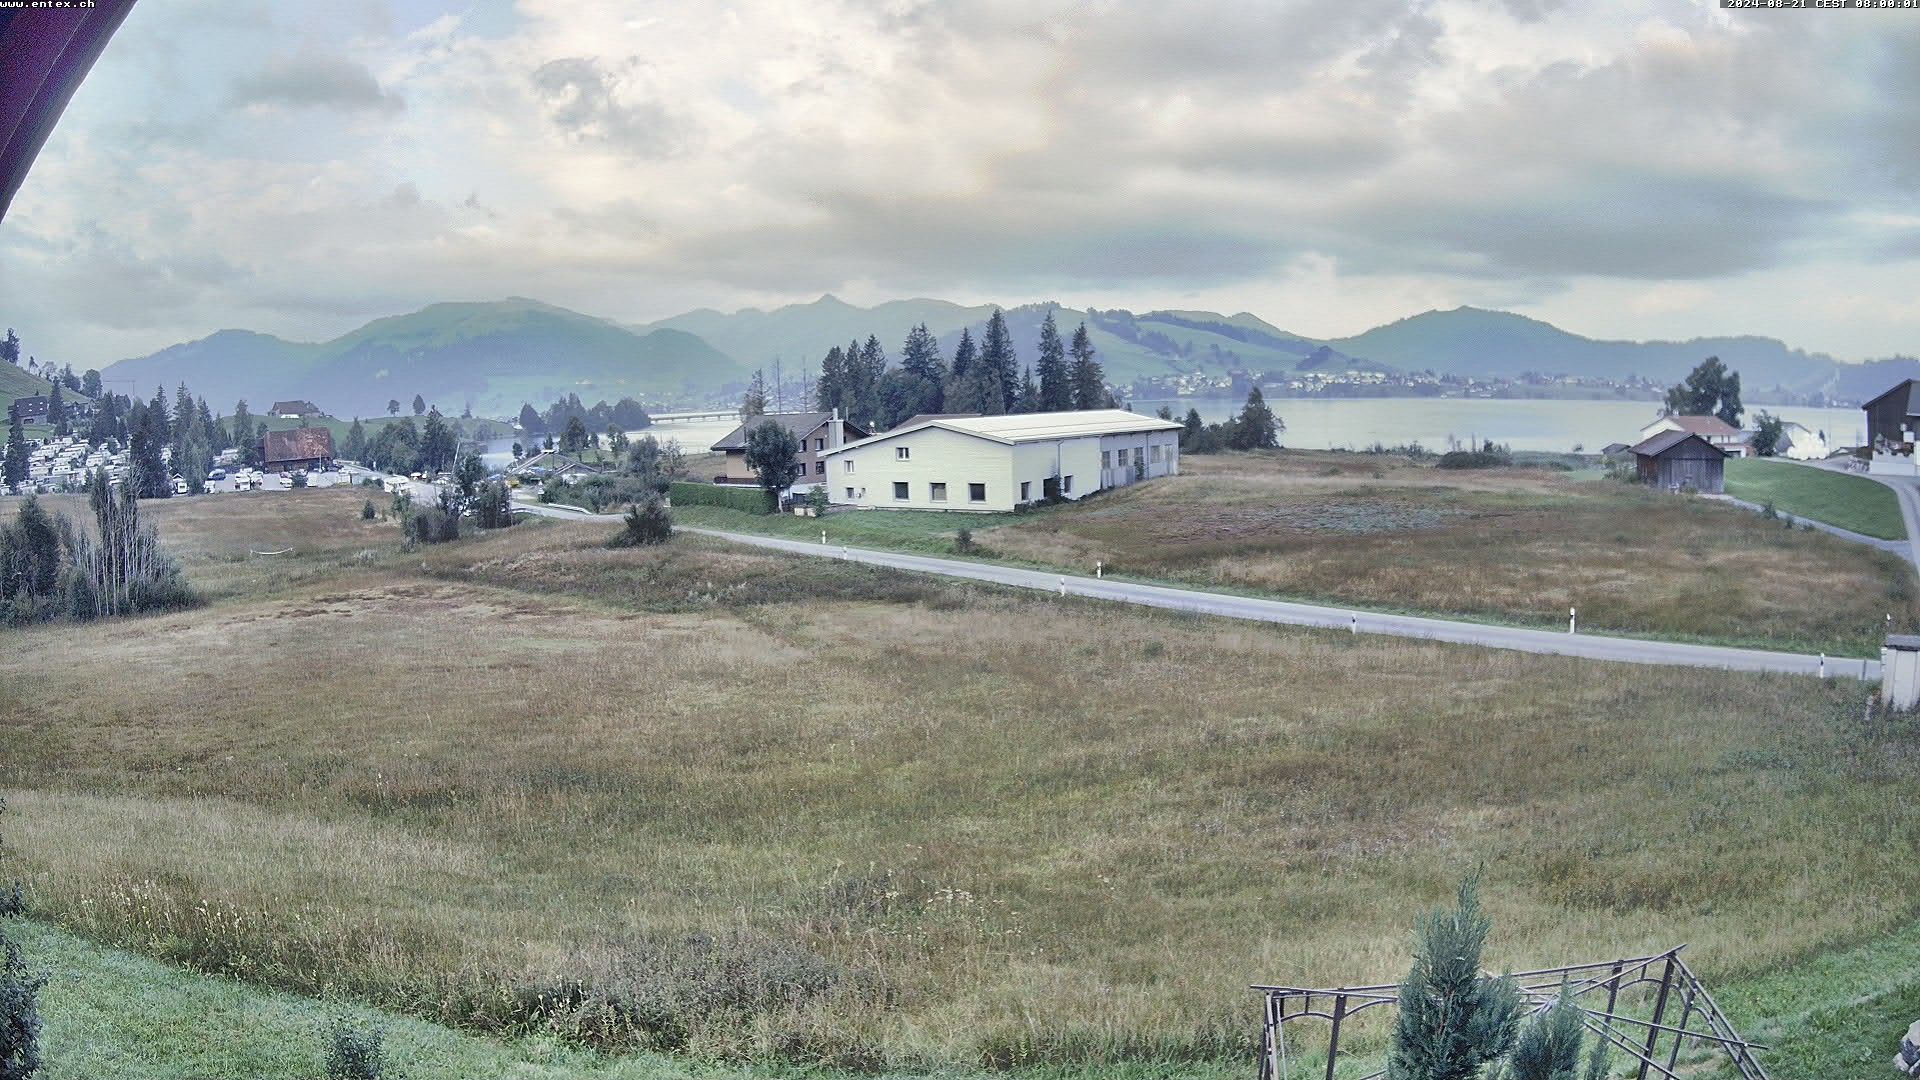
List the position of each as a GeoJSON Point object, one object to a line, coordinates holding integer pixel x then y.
{"type": "Point", "coordinates": [1357, 423]}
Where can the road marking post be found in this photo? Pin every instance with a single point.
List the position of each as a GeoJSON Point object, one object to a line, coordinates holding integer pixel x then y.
{"type": "Point", "coordinates": [1063, 586]}
{"type": "Point", "coordinates": [823, 536]}
{"type": "Point", "coordinates": [1099, 568]}
{"type": "Point", "coordinates": [1573, 615]}
{"type": "Point", "coordinates": [1823, 665]}
{"type": "Point", "coordinates": [1353, 623]}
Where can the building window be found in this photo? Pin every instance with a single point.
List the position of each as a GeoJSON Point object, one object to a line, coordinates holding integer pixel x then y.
{"type": "Point", "coordinates": [819, 468]}
{"type": "Point", "coordinates": [976, 493]}
{"type": "Point", "coordinates": [1026, 490]}
{"type": "Point", "coordinates": [1066, 485]}
{"type": "Point", "coordinates": [846, 465]}
{"type": "Point", "coordinates": [820, 444]}
{"type": "Point", "coordinates": [902, 453]}
{"type": "Point", "coordinates": [900, 489]}
{"type": "Point", "coordinates": [937, 492]}
{"type": "Point", "coordinates": [1139, 456]}
{"type": "Point", "coordinates": [799, 468]}
{"type": "Point", "coordinates": [1106, 459]}
{"type": "Point", "coordinates": [1155, 455]}
{"type": "Point", "coordinates": [849, 494]}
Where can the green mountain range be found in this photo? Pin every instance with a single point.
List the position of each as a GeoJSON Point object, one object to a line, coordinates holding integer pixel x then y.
{"type": "Point", "coordinates": [491, 357]}
{"type": "Point", "coordinates": [488, 357]}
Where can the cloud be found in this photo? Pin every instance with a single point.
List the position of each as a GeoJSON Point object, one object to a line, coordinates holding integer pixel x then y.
{"type": "Point", "coordinates": [310, 80]}
{"type": "Point", "coordinates": [1547, 154]}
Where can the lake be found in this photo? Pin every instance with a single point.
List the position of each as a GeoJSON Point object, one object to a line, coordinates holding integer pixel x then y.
{"type": "Point", "coordinates": [1357, 423]}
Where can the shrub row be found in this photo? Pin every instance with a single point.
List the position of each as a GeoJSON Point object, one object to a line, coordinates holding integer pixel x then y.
{"type": "Point", "coordinates": [685, 493]}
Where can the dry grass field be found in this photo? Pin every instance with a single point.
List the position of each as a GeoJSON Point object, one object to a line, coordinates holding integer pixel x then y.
{"type": "Point", "coordinates": [1514, 545]}
{"type": "Point", "coordinates": [722, 802]}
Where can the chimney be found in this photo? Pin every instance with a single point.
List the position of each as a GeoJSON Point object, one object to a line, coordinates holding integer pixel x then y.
{"type": "Point", "coordinates": [836, 431]}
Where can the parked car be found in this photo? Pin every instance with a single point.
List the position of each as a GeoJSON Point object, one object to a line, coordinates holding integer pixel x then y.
{"type": "Point", "coordinates": [217, 474]}
{"type": "Point", "coordinates": [179, 486]}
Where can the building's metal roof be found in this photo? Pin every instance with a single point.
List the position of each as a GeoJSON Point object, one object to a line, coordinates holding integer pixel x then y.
{"type": "Point", "coordinates": [1912, 389]}
{"type": "Point", "coordinates": [1904, 642]}
{"type": "Point", "coordinates": [1704, 425]}
{"type": "Point", "coordinates": [1037, 427]}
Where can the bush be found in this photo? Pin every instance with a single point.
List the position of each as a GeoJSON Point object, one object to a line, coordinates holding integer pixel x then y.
{"type": "Point", "coordinates": [354, 1051]}
{"type": "Point", "coordinates": [367, 512]}
{"type": "Point", "coordinates": [596, 493]}
{"type": "Point", "coordinates": [963, 541]}
{"type": "Point", "coordinates": [432, 525]}
{"type": "Point", "coordinates": [19, 1015]}
{"type": "Point", "coordinates": [647, 523]}
{"type": "Point", "coordinates": [1475, 459]}
{"type": "Point", "coordinates": [686, 493]}
{"type": "Point", "coordinates": [493, 507]}
{"type": "Point", "coordinates": [298, 480]}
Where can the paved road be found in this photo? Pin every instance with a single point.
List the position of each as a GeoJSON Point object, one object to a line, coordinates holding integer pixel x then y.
{"type": "Point", "coordinates": [1589, 646]}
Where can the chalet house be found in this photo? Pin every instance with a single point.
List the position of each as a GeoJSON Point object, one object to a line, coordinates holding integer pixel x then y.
{"type": "Point", "coordinates": [1715, 431]}
{"type": "Point", "coordinates": [1893, 418]}
{"type": "Point", "coordinates": [819, 434]}
{"type": "Point", "coordinates": [33, 410]}
{"type": "Point", "coordinates": [995, 463]}
{"type": "Point", "coordinates": [299, 448]}
{"type": "Point", "coordinates": [1681, 461]}
{"type": "Point", "coordinates": [295, 410]}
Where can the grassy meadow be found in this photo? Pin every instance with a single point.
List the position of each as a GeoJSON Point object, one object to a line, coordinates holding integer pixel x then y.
{"type": "Point", "coordinates": [737, 806]}
{"type": "Point", "coordinates": [1517, 545]}
{"type": "Point", "coordinates": [1849, 501]}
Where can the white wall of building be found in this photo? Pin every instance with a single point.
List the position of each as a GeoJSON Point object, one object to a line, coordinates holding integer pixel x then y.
{"type": "Point", "coordinates": [866, 475]}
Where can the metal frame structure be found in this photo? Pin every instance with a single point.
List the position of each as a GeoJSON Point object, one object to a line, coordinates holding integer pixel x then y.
{"type": "Point", "coordinates": [1594, 988]}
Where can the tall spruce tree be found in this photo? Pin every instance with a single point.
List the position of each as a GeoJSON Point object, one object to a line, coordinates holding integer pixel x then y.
{"type": "Point", "coordinates": [1089, 381]}
{"type": "Point", "coordinates": [1453, 1020]}
{"type": "Point", "coordinates": [831, 391]}
{"type": "Point", "coordinates": [16, 460]}
{"type": "Point", "coordinates": [754, 402]}
{"type": "Point", "coordinates": [1029, 397]}
{"type": "Point", "coordinates": [1055, 392]}
{"type": "Point", "coordinates": [355, 448]}
{"type": "Point", "coordinates": [57, 411]}
{"type": "Point", "coordinates": [161, 429]}
{"type": "Point", "coordinates": [996, 352]}
{"type": "Point", "coordinates": [960, 390]}
{"type": "Point", "coordinates": [146, 467]}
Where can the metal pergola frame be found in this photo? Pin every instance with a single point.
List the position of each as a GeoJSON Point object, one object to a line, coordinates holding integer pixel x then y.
{"type": "Point", "coordinates": [1586, 985]}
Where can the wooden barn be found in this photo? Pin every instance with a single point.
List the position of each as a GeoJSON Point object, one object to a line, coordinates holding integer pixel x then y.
{"type": "Point", "coordinates": [1681, 461]}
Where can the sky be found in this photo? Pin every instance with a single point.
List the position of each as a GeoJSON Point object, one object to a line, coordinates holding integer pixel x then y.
{"type": "Point", "coordinates": [1622, 168]}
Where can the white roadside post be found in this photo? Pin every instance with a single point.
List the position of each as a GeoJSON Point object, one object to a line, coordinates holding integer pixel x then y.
{"type": "Point", "coordinates": [823, 537]}
{"type": "Point", "coordinates": [1353, 623]}
{"type": "Point", "coordinates": [1573, 617]}
{"type": "Point", "coordinates": [1063, 585]}
{"type": "Point", "coordinates": [1823, 665]}
{"type": "Point", "coordinates": [1099, 568]}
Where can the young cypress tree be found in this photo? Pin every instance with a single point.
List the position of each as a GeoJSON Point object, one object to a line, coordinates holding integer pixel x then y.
{"type": "Point", "coordinates": [1055, 392]}
{"type": "Point", "coordinates": [1548, 1047]}
{"type": "Point", "coordinates": [19, 1015]}
{"type": "Point", "coordinates": [1084, 373]}
{"type": "Point", "coordinates": [1452, 1020]}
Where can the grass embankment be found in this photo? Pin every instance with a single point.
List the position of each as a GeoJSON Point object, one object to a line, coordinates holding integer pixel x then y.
{"type": "Point", "coordinates": [1518, 546]}
{"type": "Point", "coordinates": [790, 810]}
{"type": "Point", "coordinates": [1849, 502]}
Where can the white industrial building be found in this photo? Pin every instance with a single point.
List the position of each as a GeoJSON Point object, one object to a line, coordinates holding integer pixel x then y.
{"type": "Point", "coordinates": [994, 463]}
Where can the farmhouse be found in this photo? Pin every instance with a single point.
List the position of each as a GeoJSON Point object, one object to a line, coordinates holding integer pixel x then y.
{"type": "Point", "coordinates": [991, 463]}
{"type": "Point", "coordinates": [295, 410]}
{"type": "Point", "coordinates": [1715, 431]}
{"type": "Point", "coordinates": [1681, 461]}
{"type": "Point", "coordinates": [818, 433]}
{"type": "Point", "coordinates": [33, 410]}
{"type": "Point", "coordinates": [1893, 418]}
{"type": "Point", "coordinates": [299, 448]}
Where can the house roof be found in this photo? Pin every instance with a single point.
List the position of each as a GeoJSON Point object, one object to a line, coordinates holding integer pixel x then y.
{"type": "Point", "coordinates": [299, 444]}
{"type": "Point", "coordinates": [1667, 440]}
{"type": "Point", "coordinates": [1912, 389]}
{"type": "Point", "coordinates": [801, 424]}
{"type": "Point", "coordinates": [1615, 448]}
{"type": "Point", "coordinates": [301, 407]}
{"type": "Point", "coordinates": [1038, 427]}
{"type": "Point", "coordinates": [1704, 425]}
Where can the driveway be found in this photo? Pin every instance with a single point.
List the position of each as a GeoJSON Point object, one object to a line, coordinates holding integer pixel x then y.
{"type": "Point", "coordinates": [1287, 612]}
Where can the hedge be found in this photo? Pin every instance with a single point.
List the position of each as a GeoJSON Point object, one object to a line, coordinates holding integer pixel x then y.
{"type": "Point", "coordinates": [751, 500]}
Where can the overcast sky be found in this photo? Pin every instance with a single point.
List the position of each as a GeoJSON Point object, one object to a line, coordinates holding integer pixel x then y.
{"type": "Point", "coordinates": [1624, 168]}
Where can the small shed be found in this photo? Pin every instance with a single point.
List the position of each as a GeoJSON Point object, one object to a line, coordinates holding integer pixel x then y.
{"type": "Point", "coordinates": [1900, 671]}
{"type": "Point", "coordinates": [1681, 461]}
